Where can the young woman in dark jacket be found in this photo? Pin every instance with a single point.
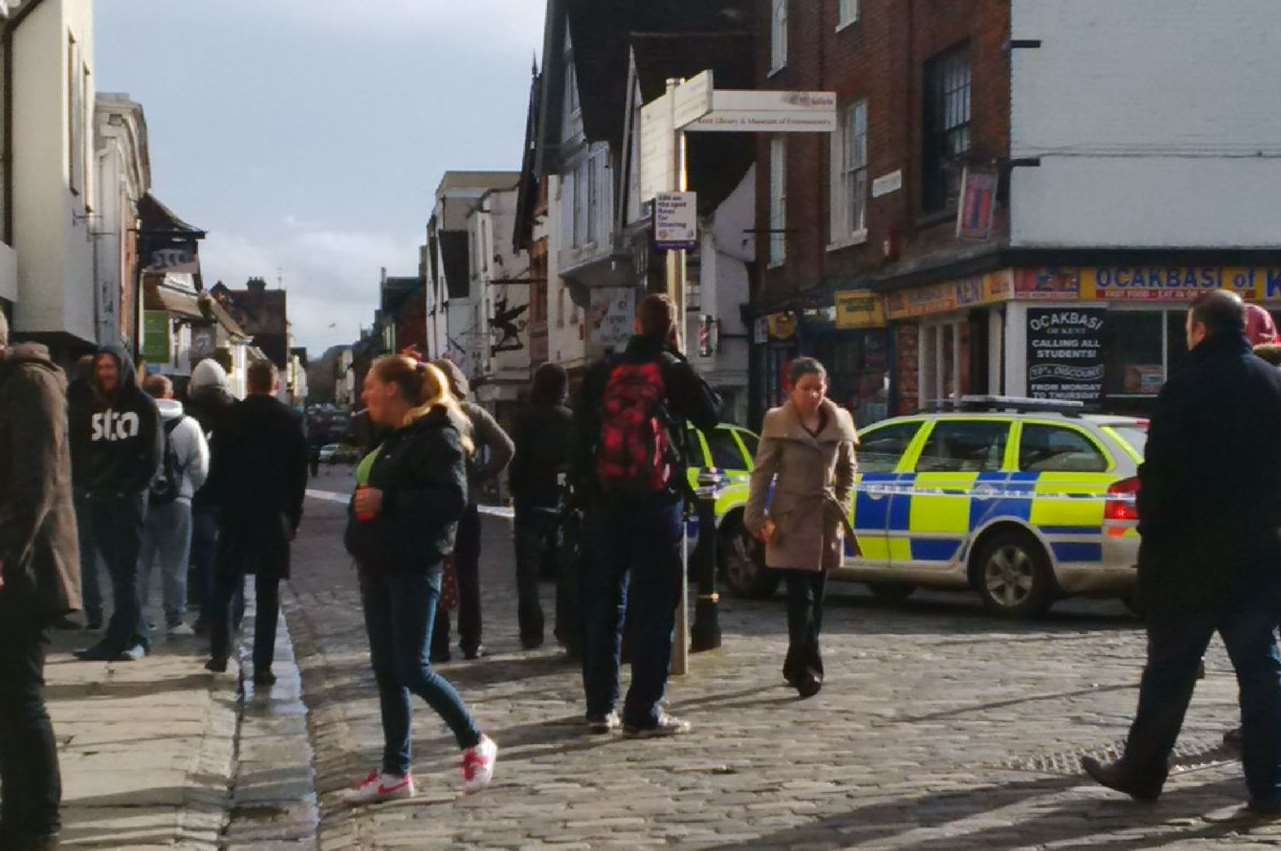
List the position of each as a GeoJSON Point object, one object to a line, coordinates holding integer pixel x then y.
{"type": "Point", "coordinates": [411, 492]}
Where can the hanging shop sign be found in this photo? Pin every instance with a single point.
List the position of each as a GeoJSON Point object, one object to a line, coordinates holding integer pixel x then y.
{"type": "Point", "coordinates": [1065, 353]}
{"type": "Point", "coordinates": [156, 336]}
{"type": "Point", "coordinates": [857, 309]}
{"type": "Point", "coordinates": [977, 211]}
{"type": "Point", "coordinates": [782, 326]}
{"type": "Point", "coordinates": [949, 296]}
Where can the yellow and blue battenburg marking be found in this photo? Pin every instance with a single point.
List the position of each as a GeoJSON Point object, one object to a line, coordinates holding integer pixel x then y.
{"type": "Point", "coordinates": [932, 517]}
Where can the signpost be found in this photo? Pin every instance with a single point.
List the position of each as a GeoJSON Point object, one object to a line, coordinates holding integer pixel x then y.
{"type": "Point", "coordinates": [695, 105]}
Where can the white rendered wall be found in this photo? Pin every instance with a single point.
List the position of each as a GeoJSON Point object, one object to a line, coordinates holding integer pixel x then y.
{"type": "Point", "coordinates": [1157, 123]}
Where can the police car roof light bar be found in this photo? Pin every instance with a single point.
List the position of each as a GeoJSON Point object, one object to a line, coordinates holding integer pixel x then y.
{"type": "Point", "coordinates": [1020, 404]}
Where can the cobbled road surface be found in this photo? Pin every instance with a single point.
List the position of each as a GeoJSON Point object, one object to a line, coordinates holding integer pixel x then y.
{"type": "Point", "coordinates": [939, 727]}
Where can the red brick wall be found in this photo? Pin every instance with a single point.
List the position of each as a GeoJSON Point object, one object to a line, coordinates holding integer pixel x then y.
{"type": "Point", "coordinates": [881, 58]}
{"type": "Point", "coordinates": [906, 347]}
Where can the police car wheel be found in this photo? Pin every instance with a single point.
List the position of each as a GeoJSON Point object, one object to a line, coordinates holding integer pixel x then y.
{"type": "Point", "coordinates": [893, 592]}
{"type": "Point", "coordinates": [742, 562]}
{"type": "Point", "coordinates": [1014, 576]}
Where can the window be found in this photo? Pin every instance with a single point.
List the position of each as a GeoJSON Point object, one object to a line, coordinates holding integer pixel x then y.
{"type": "Point", "coordinates": [778, 36]}
{"type": "Point", "coordinates": [964, 447]}
{"type": "Point", "coordinates": [947, 126]}
{"type": "Point", "coordinates": [848, 12]}
{"type": "Point", "coordinates": [750, 442]}
{"type": "Point", "coordinates": [777, 200]}
{"type": "Point", "coordinates": [593, 199]}
{"type": "Point", "coordinates": [726, 455]}
{"type": "Point", "coordinates": [880, 449]}
{"type": "Point", "coordinates": [1053, 449]}
{"type": "Point", "coordinates": [580, 204]}
{"type": "Point", "coordinates": [1134, 353]}
{"type": "Point", "coordinates": [849, 175]}
{"type": "Point", "coordinates": [75, 117]}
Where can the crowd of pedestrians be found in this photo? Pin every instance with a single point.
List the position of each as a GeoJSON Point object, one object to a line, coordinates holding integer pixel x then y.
{"type": "Point", "coordinates": [107, 475]}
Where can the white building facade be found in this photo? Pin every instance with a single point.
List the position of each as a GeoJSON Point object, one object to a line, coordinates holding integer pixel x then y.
{"type": "Point", "coordinates": [123, 163]}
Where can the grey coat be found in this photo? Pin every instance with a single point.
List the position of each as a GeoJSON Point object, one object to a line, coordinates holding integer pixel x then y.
{"type": "Point", "coordinates": [813, 481]}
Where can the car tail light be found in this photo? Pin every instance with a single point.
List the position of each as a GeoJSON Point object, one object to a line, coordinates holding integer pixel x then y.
{"type": "Point", "coordinates": [1120, 503]}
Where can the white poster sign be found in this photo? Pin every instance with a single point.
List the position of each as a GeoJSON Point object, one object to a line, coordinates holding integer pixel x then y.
{"type": "Point", "coordinates": [676, 221]}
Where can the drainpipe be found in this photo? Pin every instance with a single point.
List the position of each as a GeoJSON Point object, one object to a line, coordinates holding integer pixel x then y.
{"type": "Point", "coordinates": [6, 44]}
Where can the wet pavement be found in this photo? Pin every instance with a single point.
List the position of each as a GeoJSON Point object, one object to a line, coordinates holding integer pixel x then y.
{"type": "Point", "coordinates": [939, 727]}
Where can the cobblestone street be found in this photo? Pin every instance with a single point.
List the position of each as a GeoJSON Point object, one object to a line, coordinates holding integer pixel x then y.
{"type": "Point", "coordinates": [938, 727]}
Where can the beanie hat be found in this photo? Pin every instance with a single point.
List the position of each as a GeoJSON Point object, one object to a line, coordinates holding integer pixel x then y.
{"type": "Point", "coordinates": [208, 373]}
{"type": "Point", "coordinates": [1259, 325]}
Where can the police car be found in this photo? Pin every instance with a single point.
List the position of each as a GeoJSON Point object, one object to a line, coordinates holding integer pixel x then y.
{"type": "Point", "coordinates": [1022, 500]}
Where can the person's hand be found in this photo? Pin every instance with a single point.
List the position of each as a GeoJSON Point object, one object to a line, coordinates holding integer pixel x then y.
{"type": "Point", "coordinates": [368, 503]}
{"type": "Point", "coordinates": [766, 533]}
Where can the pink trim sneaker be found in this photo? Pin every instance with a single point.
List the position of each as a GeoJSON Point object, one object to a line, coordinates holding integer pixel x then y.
{"type": "Point", "coordinates": [478, 765]}
{"type": "Point", "coordinates": [382, 787]}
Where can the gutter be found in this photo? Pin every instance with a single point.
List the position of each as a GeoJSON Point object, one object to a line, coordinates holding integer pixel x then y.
{"type": "Point", "coordinates": [6, 44]}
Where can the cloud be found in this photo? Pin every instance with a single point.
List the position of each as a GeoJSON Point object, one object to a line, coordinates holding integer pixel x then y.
{"type": "Point", "coordinates": [331, 275]}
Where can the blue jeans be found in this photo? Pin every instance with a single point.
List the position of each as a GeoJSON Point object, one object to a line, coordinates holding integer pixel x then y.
{"type": "Point", "coordinates": [1176, 643]}
{"type": "Point", "coordinates": [399, 611]}
{"type": "Point", "coordinates": [636, 551]}
{"type": "Point", "coordinates": [536, 531]}
{"type": "Point", "coordinates": [167, 540]}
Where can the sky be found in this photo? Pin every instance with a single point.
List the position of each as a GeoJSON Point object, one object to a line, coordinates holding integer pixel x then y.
{"type": "Point", "coordinates": [308, 137]}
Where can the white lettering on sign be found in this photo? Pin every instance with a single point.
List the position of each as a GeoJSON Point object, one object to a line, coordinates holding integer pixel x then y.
{"type": "Point", "coordinates": [112, 427]}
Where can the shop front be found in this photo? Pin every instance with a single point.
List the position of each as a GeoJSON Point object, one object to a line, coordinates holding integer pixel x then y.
{"type": "Point", "coordinates": [1106, 336]}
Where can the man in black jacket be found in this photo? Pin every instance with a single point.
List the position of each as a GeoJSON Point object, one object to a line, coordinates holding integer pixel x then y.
{"type": "Point", "coordinates": [118, 442]}
{"type": "Point", "coordinates": [543, 435]}
{"type": "Point", "coordinates": [39, 582]}
{"type": "Point", "coordinates": [259, 482]}
{"type": "Point", "coordinates": [629, 468]}
{"type": "Point", "coordinates": [1210, 515]}
{"type": "Point", "coordinates": [79, 401]}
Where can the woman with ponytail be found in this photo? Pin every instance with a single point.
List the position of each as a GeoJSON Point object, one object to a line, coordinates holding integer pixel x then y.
{"type": "Point", "coordinates": [411, 492]}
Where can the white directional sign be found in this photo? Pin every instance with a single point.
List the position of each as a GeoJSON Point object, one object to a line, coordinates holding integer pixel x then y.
{"type": "Point", "coordinates": [658, 149]}
{"type": "Point", "coordinates": [693, 99]}
{"type": "Point", "coordinates": [676, 221]}
{"type": "Point", "coordinates": [769, 112]}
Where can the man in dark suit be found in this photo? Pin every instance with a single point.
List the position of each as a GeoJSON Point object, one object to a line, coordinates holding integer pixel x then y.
{"type": "Point", "coordinates": [1210, 560]}
{"type": "Point", "coordinates": [259, 482]}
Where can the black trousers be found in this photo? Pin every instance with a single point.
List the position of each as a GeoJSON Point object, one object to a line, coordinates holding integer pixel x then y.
{"type": "Point", "coordinates": [805, 591]}
{"type": "Point", "coordinates": [467, 568]}
{"type": "Point", "coordinates": [117, 532]}
{"type": "Point", "coordinates": [266, 620]}
{"type": "Point", "coordinates": [537, 531]}
{"type": "Point", "coordinates": [30, 783]}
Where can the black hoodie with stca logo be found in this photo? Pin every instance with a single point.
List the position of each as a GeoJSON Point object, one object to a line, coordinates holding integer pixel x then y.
{"type": "Point", "coordinates": [116, 441]}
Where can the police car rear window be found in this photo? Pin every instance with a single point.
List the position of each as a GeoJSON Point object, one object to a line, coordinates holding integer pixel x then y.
{"type": "Point", "coordinates": [1136, 436]}
{"type": "Point", "coordinates": [1046, 449]}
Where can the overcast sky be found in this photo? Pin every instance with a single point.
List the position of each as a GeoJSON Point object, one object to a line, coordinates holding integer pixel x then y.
{"type": "Point", "coordinates": [308, 138]}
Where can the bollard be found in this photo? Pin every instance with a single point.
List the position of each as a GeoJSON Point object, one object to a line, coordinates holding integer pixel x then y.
{"type": "Point", "coordinates": [706, 634]}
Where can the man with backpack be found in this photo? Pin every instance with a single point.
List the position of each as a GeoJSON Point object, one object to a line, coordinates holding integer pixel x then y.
{"type": "Point", "coordinates": [629, 467]}
{"type": "Point", "coordinates": [119, 438]}
{"type": "Point", "coordinates": [167, 533]}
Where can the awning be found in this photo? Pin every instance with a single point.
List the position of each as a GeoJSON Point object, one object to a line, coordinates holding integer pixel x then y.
{"type": "Point", "coordinates": [173, 302]}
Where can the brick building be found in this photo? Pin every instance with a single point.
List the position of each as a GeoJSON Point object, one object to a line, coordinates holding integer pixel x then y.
{"type": "Point", "coordinates": [1087, 218]}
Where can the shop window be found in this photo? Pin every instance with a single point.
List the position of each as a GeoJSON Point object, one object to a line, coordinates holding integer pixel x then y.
{"type": "Point", "coordinates": [858, 374]}
{"type": "Point", "coordinates": [964, 447]}
{"type": "Point", "coordinates": [1134, 353]}
{"type": "Point", "coordinates": [726, 454]}
{"type": "Point", "coordinates": [940, 357]}
{"type": "Point", "coordinates": [947, 126]}
{"type": "Point", "coordinates": [1046, 449]}
{"type": "Point", "coordinates": [881, 449]}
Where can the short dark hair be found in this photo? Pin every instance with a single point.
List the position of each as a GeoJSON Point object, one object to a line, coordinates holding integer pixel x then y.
{"type": "Point", "coordinates": [657, 316]}
{"type": "Point", "coordinates": [801, 367]}
{"type": "Point", "coordinates": [4, 329]}
{"type": "Point", "coordinates": [261, 376]}
{"type": "Point", "coordinates": [1221, 311]}
{"type": "Point", "coordinates": [158, 386]}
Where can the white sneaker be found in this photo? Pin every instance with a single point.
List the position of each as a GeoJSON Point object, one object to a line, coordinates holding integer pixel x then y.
{"type": "Point", "coordinates": [478, 765]}
{"type": "Point", "coordinates": [604, 723]}
{"type": "Point", "coordinates": [182, 630]}
{"type": "Point", "coordinates": [382, 787]}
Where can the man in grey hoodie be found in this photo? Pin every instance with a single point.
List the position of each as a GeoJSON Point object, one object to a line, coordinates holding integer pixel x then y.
{"type": "Point", "coordinates": [167, 535]}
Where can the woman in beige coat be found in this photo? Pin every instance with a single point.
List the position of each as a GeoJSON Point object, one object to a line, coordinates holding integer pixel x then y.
{"type": "Point", "coordinates": [807, 453]}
